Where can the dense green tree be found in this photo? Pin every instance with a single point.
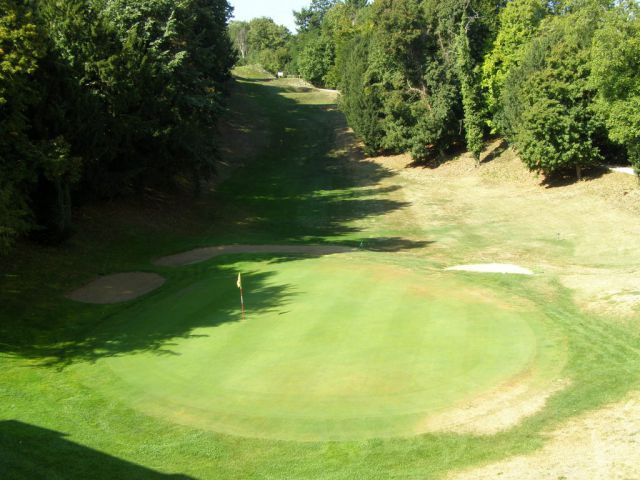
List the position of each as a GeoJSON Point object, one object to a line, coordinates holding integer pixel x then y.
{"type": "Point", "coordinates": [470, 91]}
{"type": "Point", "coordinates": [318, 49]}
{"type": "Point", "coordinates": [311, 18]}
{"type": "Point", "coordinates": [340, 25]}
{"type": "Point", "coordinates": [395, 68]}
{"type": "Point", "coordinates": [316, 59]}
{"type": "Point", "coordinates": [549, 104]}
{"type": "Point", "coordinates": [116, 94]}
{"type": "Point", "coordinates": [518, 23]}
{"type": "Point", "coordinates": [358, 101]}
{"type": "Point", "coordinates": [268, 44]}
{"type": "Point", "coordinates": [239, 33]}
{"type": "Point", "coordinates": [615, 74]}
{"type": "Point", "coordinates": [21, 48]}
{"type": "Point", "coordinates": [426, 92]}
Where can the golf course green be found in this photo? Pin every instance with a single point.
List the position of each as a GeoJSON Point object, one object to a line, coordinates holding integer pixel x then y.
{"type": "Point", "coordinates": [360, 357]}
{"type": "Point", "coordinates": [353, 349]}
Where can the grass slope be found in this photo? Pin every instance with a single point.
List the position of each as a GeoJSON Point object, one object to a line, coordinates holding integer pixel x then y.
{"type": "Point", "coordinates": [66, 410]}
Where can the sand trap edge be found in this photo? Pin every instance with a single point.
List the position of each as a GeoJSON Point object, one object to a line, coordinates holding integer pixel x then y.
{"type": "Point", "coordinates": [206, 253]}
{"type": "Point", "coordinates": [492, 268]}
{"type": "Point", "coordinates": [117, 288]}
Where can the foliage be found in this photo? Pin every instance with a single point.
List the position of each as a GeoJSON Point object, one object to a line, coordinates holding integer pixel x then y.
{"type": "Point", "coordinates": [264, 42]}
{"type": "Point", "coordinates": [109, 93]}
{"type": "Point", "coordinates": [548, 100]}
{"type": "Point", "coordinates": [21, 48]}
{"type": "Point", "coordinates": [615, 73]}
{"type": "Point", "coordinates": [239, 33]}
{"type": "Point", "coordinates": [315, 61]}
{"type": "Point", "coordinates": [518, 21]}
{"type": "Point", "coordinates": [311, 18]}
{"type": "Point", "coordinates": [425, 89]}
{"type": "Point", "coordinates": [358, 101]}
{"type": "Point", "coordinates": [470, 92]}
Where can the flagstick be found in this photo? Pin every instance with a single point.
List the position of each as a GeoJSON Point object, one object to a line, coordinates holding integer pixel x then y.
{"type": "Point", "coordinates": [242, 302]}
{"type": "Point", "coordinates": [239, 285]}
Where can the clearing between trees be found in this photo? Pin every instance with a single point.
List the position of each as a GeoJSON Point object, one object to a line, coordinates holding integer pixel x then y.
{"type": "Point", "coordinates": [372, 363]}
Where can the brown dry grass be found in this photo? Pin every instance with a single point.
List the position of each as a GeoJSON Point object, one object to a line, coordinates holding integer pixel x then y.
{"type": "Point", "coordinates": [496, 411]}
{"type": "Point", "coordinates": [601, 445]}
{"type": "Point", "coordinates": [585, 233]}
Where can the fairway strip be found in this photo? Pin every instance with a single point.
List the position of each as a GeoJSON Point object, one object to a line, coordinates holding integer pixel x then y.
{"type": "Point", "coordinates": [202, 254]}
{"type": "Point", "coordinates": [117, 288]}
{"type": "Point", "coordinates": [492, 268]}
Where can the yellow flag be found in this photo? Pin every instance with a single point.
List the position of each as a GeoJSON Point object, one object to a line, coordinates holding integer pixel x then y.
{"type": "Point", "coordinates": [239, 282]}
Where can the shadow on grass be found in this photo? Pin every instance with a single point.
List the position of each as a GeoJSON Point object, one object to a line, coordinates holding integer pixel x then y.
{"type": "Point", "coordinates": [305, 188]}
{"type": "Point", "coordinates": [564, 178]}
{"type": "Point", "coordinates": [496, 148]}
{"type": "Point", "coordinates": [200, 296]}
{"type": "Point", "coordinates": [29, 452]}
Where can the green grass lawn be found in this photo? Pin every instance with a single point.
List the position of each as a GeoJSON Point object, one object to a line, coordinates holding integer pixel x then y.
{"type": "Point", "coordinates": [340, 360]}
{"type": "Point", "coordinates": [332, 348]}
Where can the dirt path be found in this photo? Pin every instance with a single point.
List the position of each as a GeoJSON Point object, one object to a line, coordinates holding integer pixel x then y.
{"type": "Point", "coordinates": [202, 254]}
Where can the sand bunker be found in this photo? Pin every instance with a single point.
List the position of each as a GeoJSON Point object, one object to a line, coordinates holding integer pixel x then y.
{"type": "Point", "coordinates": [117, 288]}
{"type": "Point", "coordinates": [492, 268]}
{"type": "Point", "coordinates": [627, 170]}
{"type": "Point", "coordinates": [206, 253]}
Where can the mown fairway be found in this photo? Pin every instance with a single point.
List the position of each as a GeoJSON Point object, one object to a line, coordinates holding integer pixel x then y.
{"type": "Point", "coordinates": [342, 360]}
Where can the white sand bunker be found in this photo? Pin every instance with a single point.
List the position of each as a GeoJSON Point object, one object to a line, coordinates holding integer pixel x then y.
{"type": "Point", "coordinates": [492, 268]}
{"type": "Point", "coordinates": [206, 253]}
{"type": "Point", "coordinates": [117, 288]}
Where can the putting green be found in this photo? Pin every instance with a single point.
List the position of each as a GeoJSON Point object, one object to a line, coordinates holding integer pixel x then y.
{"type": "Point", "coordinates": [332, 348]}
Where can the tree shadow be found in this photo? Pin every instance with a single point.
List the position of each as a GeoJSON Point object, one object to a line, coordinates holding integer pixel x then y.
{"type": "Point", "coordinates": [305, 188]}
{"type": "Point", "coordinates": [564, 178]}
{"type": "Point", "coordinates": [29, 452]}
{"type": "Point", "coordinates": [197, 299]}
{"type": "Point", "coordinates": [435, 159]}
{"type": "Point", "coordinates": [495, 148]}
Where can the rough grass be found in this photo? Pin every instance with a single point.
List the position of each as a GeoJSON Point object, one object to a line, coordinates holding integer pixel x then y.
{"type": "Point", "coordinates": [56, 422]}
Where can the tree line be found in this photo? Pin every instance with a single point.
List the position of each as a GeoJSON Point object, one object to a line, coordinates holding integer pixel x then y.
{"type": "Point", "coordinates": [559, 79]}
{"type": "Point", "coordinates": [101, 98]}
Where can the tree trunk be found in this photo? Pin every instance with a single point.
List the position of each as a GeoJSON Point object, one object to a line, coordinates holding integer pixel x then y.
{"type": "Point", "coordinates": [579, 172]}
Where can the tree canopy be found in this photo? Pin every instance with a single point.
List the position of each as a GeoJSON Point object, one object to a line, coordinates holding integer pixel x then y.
{"type": "Point", "coordinates": [102, 97]}
{"type": "Point", "coordinates": [558, 80]}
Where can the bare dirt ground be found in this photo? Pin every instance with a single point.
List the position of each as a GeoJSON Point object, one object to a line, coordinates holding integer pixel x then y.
{"type": "Point", "coordinates": [120, 287]}
{"type": "Point", "coordinates": [600, 445]}
{"type": "Point", "coordinates": [202, 254]}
